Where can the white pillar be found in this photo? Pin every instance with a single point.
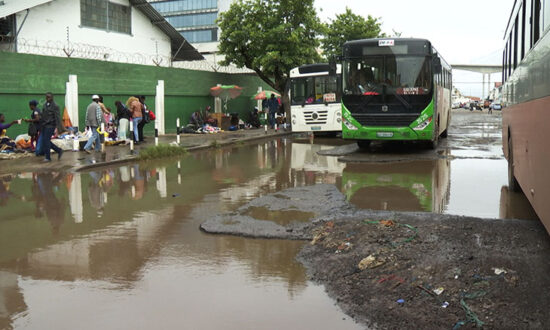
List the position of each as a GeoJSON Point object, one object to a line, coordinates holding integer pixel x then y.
{"type": "Point", "coordinates": [159, 108]}
{"type": "Point", "coordinates": [489, 89]}
{"type": "Point", "coordinates": [132, 135]}
{"type": "Point", "coordinates": [259, 102]}
{"type": "Point", "coordinates": [178, 139]}
{"type": "Point", "coordinates": [218, 104]}
{"type": "Point", "coordinates": [73, 80]}
{"type": "Point", "coordinates": [68, 101]}
{"type": "Point", "coordinates": [483, 88]}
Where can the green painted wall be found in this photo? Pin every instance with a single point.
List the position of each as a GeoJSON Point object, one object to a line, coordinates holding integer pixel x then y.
{"type": "Point", "coordinates": [24, 77]}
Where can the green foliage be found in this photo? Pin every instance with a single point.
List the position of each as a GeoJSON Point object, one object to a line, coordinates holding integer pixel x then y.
{"type": "Point", "coordinates": [161, 151]}
{"type": "Point", "coordinates": [270, 37]}
{"type": "Point", "coordinates": [346, 27]}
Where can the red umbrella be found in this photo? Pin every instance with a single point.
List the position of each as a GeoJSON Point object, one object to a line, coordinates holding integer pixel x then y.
{"type": "Point", "coordinates": [265, 95]}
{"type": "Point", "coordinates": [226, 91]}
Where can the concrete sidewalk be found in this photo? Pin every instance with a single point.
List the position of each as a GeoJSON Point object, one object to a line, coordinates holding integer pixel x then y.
{"type": "Point", "coordinates": [78, 161]}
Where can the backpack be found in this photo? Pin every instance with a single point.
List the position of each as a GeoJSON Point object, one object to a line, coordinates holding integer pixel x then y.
{"type": "Point", "coordinates": [146, 118]}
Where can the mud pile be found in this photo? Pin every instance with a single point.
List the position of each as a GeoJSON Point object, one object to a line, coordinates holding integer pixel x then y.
{"type": "Point", "coordinates": [390, 270]}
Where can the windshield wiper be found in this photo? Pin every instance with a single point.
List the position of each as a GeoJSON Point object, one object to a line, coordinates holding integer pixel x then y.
{"type": "Point", "coordinates": [397, 96]}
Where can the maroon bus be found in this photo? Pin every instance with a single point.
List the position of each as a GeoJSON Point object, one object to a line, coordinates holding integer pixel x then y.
{"type": "Point", "coordinates": [526, 103]}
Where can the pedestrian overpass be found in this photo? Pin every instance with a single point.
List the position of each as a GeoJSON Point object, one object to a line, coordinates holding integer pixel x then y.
{"type": "Point", "coordinates": [485, 69]}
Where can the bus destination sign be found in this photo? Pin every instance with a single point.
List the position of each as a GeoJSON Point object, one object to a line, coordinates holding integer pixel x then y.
{"type": "Point", "coordinates": [386, 43]}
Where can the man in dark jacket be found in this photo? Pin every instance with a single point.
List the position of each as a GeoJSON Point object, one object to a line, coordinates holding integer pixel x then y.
{"type": "Point", "coordinates": [273, 106]}
{"type": "Point", "coordinates": [49, 121]}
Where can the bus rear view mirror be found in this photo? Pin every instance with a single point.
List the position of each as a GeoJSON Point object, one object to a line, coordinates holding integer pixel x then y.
{"type": "Point", "coordinates": [332, 67]}
{"type": "Point", "coordinates": [437, 65]}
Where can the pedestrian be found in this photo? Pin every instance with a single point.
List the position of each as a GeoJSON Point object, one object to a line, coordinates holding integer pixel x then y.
{"type": "Point", "coordinates": [136, 108]}
{"type": "Point", "coordinates": [146, 118]}
{"type": "Point", "coordinates": [106, 111]}
{"type": "Point", "coordinates": [273, 106]}
{"type": "Point", "coordinates": [94, 119]}
{"type": "Point", "coordinates": [34, 123]}
{"type": "Point", "coordinates": [123, 117]}
{"type": "Point", "coordinates": [49, 121]}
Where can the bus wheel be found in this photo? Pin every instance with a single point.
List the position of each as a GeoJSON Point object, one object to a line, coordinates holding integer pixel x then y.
{"type": "Point", "coordinates": [445, 133]}
{"type": "Point", "coordinates": [513, 184]}
{"type": "Point", "coordinates": [363, 144]}
{"type": "Point", "coordinates": [432, 145]}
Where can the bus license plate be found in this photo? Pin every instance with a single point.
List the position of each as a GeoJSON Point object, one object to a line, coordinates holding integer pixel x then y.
{"type": "Point", "coordinates": [384, 134]}
{"type": "Point", "coordinates": [315, 128]}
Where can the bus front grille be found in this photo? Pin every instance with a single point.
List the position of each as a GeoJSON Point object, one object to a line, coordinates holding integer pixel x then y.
{"type": "Point", "coordinates": [387, 120]}
{"type": "Point", "coordinates": [316, 117]}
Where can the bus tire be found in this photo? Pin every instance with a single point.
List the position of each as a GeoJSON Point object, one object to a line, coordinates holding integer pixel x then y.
{"type": "Point", "coordinates": [432, 144]}
{"type": "Point", "coordinates": [513, 184]}
{"type": "Point", "coordinates": [363, 144]}
{"type": "Point", "coordinates": [445, 133]}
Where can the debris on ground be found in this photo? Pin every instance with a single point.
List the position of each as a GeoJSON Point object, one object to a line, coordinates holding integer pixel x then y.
{"type": "Point", "coordinates": [435, 266]}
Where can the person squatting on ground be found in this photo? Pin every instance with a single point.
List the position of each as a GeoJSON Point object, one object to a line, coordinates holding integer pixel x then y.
{"type": "Point", "coordinates": [5, 142]}
{"type": "Point", "coordinates": [273, 106]}
{"type": "Point", "coordinates": [94, 119]}
{"type": "Point", "coordinates": [49, 121]}
{"type": "Point", "coordinates": [136, 108]}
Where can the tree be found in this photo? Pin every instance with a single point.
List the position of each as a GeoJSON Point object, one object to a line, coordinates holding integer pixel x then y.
{"type": "Point", "coordinates": [271, 38]}
{"type": "Point", "coordinates": [346, 27]}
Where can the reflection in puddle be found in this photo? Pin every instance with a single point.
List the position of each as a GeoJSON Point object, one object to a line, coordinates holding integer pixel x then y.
{"type": "Point", "coordinates": [126, 238]}
{"type": "Point", "coordinates": [280, 217]}
{"type": "Point", "coordinates": [411, 186]}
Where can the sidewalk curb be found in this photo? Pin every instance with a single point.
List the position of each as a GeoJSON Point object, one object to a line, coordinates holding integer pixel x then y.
{"type": "Point", "coordinates": [195, 148]}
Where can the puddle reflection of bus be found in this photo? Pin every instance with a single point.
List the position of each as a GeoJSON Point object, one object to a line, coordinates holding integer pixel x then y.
{"type": "Point", "coordinates": [421, 186]}
{"type": "Point", "coordinates": [315, 168]}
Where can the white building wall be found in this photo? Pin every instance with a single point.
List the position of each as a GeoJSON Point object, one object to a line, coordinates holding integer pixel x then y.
{"type": "Point", "coordinates": [48, 24]}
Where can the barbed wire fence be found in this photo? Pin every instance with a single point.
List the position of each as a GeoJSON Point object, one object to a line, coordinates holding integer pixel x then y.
{"type": "Point", "coordinates": [94, 52]}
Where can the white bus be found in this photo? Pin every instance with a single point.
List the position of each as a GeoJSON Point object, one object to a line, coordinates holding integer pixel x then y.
{"type": "Point", "coordinates": [315, 97]}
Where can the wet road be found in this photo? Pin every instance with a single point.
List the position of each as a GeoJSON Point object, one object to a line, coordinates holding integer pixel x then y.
{"type": "Point", "coordinates": [120, 247]}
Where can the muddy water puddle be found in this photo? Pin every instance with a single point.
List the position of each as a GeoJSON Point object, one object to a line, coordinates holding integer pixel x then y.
{"type": "Point", "coordinates": [280, 217]}
{"type": "Point", "coordinates": [120, 247]}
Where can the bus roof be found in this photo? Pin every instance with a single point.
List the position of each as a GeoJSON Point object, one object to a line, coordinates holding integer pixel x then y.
{"type": "Point", "coordinates": [417, 46]}
{"type": "Point", "coordinates": [309, 70]}
{"type": "Point", "coordinates": [403, 46]}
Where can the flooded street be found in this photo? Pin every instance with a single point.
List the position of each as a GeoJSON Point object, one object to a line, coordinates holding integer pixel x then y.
{"type": "Point", "coordinates": [124, 242]}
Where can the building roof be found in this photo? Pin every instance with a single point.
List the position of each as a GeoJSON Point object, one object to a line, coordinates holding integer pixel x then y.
{"type": "Point", "coordinates": [182, 50]}
{"type": "Point", "coordinates": [11, 7]}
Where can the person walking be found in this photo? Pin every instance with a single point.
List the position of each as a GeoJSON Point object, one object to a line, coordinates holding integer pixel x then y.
{"type": "Point", "coordinates": [273, 106]}
{"type": "Point", "coordinates": [94, 118]}
{"type": "Point", "coordinates": [34, 123]}
{"type": "Point", "coordinates": [136, 108]}
{"type": "Point", "coordinates": [49, 121]}
{"type": "Point", "coordinates": [146, 118]}
{"type": "Point", "coordinates": [123, 117]}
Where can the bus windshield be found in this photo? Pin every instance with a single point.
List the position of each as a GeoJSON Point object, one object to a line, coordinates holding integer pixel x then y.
{"type": "Point", "coordinates": [317, 89]}
{"type": "Point", "coordinates": [401, 75]}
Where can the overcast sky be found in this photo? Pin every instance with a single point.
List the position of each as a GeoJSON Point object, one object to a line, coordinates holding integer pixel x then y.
{"type": "Point", "coordinates": [463, 31]}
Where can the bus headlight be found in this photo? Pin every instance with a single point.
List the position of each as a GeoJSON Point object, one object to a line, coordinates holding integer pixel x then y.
{"type": "Point", "coordinates": [349, 125]}
{"type": "Point", "coordinates": [424, 124]}
{"type": "Point", "coordinates": [293, 121]}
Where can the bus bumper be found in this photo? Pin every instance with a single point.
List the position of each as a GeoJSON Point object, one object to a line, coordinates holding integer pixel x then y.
{"type": "Point", "coordinates": [388, 133]}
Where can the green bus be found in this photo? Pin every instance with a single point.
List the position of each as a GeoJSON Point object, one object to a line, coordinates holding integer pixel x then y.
{"type": "Point", "coordinates": [395, 89]}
